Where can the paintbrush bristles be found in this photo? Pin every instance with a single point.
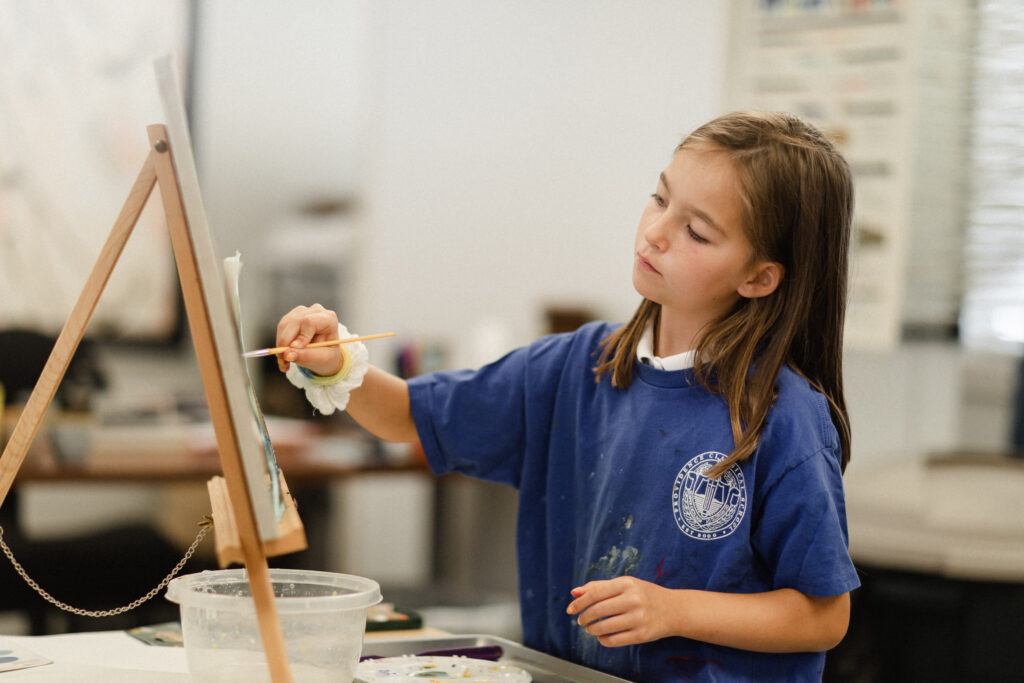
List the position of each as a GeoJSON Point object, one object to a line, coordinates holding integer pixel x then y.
{"type": "Point", "coordinates": [315, 345]}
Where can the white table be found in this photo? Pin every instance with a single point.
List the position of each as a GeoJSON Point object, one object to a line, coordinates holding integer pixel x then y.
{"type": "Point", "coordinates": [116, 657]}
{"type": "Point", "coordinates": [101, 657]}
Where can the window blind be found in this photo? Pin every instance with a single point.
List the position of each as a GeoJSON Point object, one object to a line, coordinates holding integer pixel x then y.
{"type": "Point", "coordinates": [993, 305]}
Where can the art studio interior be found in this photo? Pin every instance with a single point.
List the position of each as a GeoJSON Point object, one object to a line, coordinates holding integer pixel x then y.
{"type": "Point", "coordinates": [470, 177]}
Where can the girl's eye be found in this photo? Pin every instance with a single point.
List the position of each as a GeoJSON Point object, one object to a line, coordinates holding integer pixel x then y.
{"type": "Point", "coordinates": [696, 238]}
{"type": "Point", "coordinates": [658, 200]}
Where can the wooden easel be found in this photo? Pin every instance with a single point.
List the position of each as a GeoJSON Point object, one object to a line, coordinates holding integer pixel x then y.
{"type": "Point", "coordinates": [235, 523]}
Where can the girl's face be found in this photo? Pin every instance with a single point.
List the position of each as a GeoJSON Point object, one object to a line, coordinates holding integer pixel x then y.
{"type": "Point", "coordinates": [692, 255]}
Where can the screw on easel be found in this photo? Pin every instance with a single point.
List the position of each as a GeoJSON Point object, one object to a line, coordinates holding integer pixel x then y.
{"type": "Point", "coordinates": [161, 146]}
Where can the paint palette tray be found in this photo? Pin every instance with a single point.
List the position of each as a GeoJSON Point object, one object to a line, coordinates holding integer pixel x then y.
{"type": "Point", "coordinates": [542, 667]}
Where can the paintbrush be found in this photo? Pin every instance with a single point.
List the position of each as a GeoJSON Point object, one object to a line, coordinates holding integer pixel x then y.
{"type": "Point", "coordinates": [315, 345]}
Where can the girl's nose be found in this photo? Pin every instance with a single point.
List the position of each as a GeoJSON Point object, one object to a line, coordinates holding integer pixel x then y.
{"type": "Point", "coordinates": [656, 234]}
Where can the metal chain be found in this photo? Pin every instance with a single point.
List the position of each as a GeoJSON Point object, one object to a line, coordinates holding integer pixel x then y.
{"type": "Point", "coordinates": [205, 527]}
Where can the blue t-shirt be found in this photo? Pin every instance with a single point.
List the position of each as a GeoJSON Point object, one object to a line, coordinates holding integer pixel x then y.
{"type": "Point", "coordinates": [611, 483]}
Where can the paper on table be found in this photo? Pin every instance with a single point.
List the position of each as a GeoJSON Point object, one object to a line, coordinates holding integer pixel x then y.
{"type": "Point", "coordinates": [85, 673]}
{"type": "Point", "coordinates": [111, 650]}
{"type": "Point", "coordinates": [15, 657]}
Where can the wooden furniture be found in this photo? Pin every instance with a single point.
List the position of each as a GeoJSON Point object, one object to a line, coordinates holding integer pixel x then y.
{"type": "Point", "coordinates": [170, 460]}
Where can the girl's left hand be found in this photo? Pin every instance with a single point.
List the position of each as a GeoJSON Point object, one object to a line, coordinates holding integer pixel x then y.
{"type": "Point", "coordinates": [623, 611]}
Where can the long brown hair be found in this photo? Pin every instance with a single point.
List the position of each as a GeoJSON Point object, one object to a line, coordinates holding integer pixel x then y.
{"type": "Point", "coordinates": [797, 209]}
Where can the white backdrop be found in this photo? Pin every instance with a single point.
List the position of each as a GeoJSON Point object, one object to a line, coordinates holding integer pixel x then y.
{"type": "Point", "coordinates": [76, 93]}
{"type": "Point", "coordinates": [500, 153]}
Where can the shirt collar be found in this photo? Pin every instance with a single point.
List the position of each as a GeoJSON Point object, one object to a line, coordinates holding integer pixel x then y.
{"type": "Point", "coordinates": [645, 353]}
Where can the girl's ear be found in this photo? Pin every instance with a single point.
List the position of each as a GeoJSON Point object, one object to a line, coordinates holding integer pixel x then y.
{"type": "Point", "coordinates": [764, 279]}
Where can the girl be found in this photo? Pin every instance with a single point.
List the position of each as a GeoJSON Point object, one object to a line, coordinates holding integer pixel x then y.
{"type": "Point", "coordinates": [682, 511]}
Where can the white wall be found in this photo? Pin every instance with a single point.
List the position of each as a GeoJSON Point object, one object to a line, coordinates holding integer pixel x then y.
{"type": "Point", "coordinates": [501, 151]}
{"type": "Point", "coordinates": [278, 108]}
{"type": "Point", "coordinates": [510, 151]}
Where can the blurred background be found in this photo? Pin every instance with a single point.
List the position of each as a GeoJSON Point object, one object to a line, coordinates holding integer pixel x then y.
{"type": "Point", "coordinates": [469, 175]}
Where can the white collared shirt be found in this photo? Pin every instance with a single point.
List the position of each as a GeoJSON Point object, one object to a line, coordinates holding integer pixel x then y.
{"type": "Point", "coordinates": [645, 354]}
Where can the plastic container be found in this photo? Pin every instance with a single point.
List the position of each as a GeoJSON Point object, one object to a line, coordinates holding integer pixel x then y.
{"type": "Point", "coordinates": [322, 614]}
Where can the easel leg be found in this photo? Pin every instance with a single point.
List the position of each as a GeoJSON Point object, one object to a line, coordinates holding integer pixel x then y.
{"type": "Point", "coordinates": [266, 614]}
{"type": "Point", "coordinates": [216, 398]}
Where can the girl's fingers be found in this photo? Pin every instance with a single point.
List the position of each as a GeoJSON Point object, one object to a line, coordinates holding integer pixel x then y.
{"type": "Point", "coordinates": [312, 358]}
{"type": "Point", "coordinates": [593, 592]}
{"type": "Point", "coordinates": [621, 638]}
{"type": "Point", "coordinates": [606, 627]}
{"type": "Point", "coordinates": [606, 608]}
{"type": "Point", "coordinates": [324, 362]}
{"type": "Point", "coordinates": [304, 325]}
{"type": "Point", "coordinates": [288, 319]}
{"type": "Point", "coordinates": [288, 328]}
{"type": "Point", "coordinates": [307, 330]}
{"type": "Point", "coordinates": [323, 323]}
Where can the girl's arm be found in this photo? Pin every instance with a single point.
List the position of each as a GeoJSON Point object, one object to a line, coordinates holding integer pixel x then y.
{"type": "Point", "coordinates": [627, 611]}
{"type": "Point", "coordinates": [380, 405]}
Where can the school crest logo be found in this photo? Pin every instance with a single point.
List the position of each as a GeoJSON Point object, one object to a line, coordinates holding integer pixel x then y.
{"type": "Point", "coordinates": [708, 509]}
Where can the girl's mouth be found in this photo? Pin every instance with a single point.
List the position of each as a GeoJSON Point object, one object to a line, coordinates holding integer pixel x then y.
{"type": "Point", "coordinates": [645, 264]}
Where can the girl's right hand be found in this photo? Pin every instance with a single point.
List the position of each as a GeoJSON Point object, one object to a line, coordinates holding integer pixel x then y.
{"type": "Point", "coordinates": [302, 326]}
